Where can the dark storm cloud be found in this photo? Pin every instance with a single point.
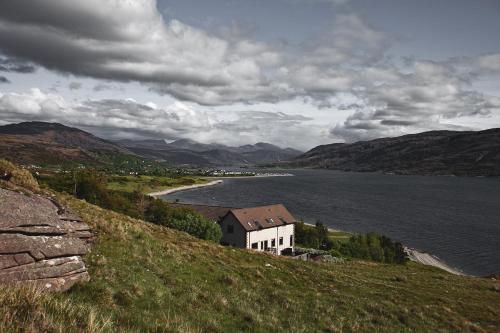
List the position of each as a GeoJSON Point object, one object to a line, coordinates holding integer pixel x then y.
{"type": "Point", "coordinates": [15, 65]}
{"type": "Point", "coordinates": [398, 122]}
{"type": "Point", "coordinates": [129, 41]}
{"type": "Point", "coordinates": [60, 15]}
{"type": "Point", "coordinates": [3, 79]}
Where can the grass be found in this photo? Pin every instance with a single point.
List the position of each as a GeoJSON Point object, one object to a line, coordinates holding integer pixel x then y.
{"type": "Point", "coordinates": [339, 235]}
{"type": "Point", "coordinates": [148, 184]}
{"type": "Point", "coordinates": [18, 176]}
{"type": "Point", "coordinates": [146, 278]}
{"type": "Point", "coordinates": [335, 235]}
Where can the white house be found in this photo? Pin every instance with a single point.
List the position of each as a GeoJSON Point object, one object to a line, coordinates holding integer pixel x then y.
{"type": "Point", "coordinates": [266, 228]}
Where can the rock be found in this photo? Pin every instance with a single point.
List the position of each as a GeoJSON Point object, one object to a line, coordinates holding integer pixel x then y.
{"type": "Point", "coordinates": [41, 242]}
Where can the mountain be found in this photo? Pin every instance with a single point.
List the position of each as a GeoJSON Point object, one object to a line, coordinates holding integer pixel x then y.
{"type": "Point", "coordinates": [53, 143]}
{"type": "Point", "coordinates": [189, 152]}
{"type": "Point", "coordinates": [463, 153]}
{"type": "Point", "coordinates": [186, 144]}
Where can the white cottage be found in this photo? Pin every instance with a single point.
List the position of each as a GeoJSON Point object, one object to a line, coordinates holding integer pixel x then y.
{"type": "Point", "coordinates": [266, 228]}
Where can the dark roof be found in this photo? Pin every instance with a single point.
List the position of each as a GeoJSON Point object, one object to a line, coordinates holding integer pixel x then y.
{"type": "Point", "coordinates": [263, 217]}
{"type": "Point", "coordinates": [215, 213]}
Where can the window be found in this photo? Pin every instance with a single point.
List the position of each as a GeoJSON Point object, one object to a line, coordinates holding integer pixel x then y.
{"type": "Point", "coordinates": [281, 240]}
{"type": "Point", "coordinates": [266, 245]}
{"type": "Point", "coordinates": [273, 242]}
{"type": "Point", "coordinates": [270, 220]}
{"type": "Point", "coordinates": [230, 229]}
{"type": "Point", "coordinates": [291, 240]}
{"type": "Point", "coordinates": [255, 246]}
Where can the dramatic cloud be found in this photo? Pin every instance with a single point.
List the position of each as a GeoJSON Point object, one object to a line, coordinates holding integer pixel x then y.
{"type": "Point", "coordinates": [414, 102]}
{"type": "Point", "coordinates": [3, 79]}
{"type": "Point", "coordinates": [129, 41]}
{"type": "Point", "coordinates": [15, 65]}
{"type": "Point", "coordinates": [346, 67]}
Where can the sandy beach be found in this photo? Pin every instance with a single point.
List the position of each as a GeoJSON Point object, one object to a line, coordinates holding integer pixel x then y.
{"type": "Point", "coordinates": [429, 259]}
{"type": "Point", "coordinates": [183, 188]}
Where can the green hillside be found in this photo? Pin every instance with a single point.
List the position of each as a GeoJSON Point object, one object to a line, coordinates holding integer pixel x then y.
{"type": "Point", "coordinates": [147, 278]}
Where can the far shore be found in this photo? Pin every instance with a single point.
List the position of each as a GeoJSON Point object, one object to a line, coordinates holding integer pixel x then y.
{"type": "Point", "coordinates": [216, 181]}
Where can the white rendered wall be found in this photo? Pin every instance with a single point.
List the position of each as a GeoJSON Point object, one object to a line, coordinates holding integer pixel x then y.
{"type": "Point", "coordinates": [259, 236]}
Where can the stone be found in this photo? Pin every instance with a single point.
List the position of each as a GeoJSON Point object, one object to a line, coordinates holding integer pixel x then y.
{"type": "Point", "coordinates": [41, 242]}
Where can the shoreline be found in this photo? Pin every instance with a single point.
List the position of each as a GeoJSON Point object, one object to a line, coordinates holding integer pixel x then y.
{"type": "Point", "coordinates": [184, 188]}
{"type": "Point", "coordinates": [417, 256]}
{"type": "Point", "coordinates": [413, 254]}
{"type": "Point", "coordinates": [431, 260]}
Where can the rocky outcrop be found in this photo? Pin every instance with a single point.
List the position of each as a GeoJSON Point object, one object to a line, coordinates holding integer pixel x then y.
{"type": "Point", "coordinates": [41, 242]}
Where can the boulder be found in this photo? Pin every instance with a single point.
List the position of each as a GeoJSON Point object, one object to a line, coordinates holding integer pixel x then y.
{"type": "Point", "coordinates": [41, 242]}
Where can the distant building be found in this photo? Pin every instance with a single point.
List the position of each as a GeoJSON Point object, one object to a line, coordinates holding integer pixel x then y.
{"type": "Point", "coordinates": [266, 228]}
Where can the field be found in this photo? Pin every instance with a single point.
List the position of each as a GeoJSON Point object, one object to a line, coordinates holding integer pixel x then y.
{"type": "Point", "coordinates": [148, 184]}
{"type": "Point", "coordinates": [147, 278]}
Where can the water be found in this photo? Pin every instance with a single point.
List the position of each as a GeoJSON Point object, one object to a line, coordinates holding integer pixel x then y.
{"type": "Point", "coordinates": [456, 219]}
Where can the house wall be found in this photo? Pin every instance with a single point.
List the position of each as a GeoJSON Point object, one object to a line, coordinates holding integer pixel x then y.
{"type": "Point", "coordinates": [260, 236]}
{"type": "Point", "coordinates": [239, 235]}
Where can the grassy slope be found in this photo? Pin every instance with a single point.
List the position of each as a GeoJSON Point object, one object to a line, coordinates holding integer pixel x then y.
{"type": "Point", "coordinates": [151, 183]}
{"type": "Point", "coordinates": [148, 278]}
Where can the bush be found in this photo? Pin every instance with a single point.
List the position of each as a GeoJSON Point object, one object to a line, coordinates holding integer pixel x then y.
{"type": "Point", "coordinates": [159, 212]}
{"type": "Point", "coordinates": [370, 246]}
{"type": "Point", "coordinates": [374, 247]}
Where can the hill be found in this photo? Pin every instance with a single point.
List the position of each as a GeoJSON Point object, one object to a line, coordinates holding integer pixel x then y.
{"type": "Point", "coordinates": [189, 152]}
{"type": "Point", "coordinates": [147, 278]}
{"type": "Point", "coordinates": [465, 153]}
{"type": "Point", "coordinates": [53, 143]}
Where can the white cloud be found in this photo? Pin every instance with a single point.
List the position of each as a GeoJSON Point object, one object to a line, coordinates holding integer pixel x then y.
{"type": "Point", "coordinates": [113, 118]}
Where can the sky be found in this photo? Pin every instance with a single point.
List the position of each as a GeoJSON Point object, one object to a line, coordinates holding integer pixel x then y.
{"type": "Point", "coordinates": [295, 73]}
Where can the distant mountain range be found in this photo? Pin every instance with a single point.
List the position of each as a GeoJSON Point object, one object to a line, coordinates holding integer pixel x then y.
{"type": "Point", "coordinates": [464, 153]}
{"type": "Point", "coordinates": [189, 152]}
{"type": "Point", "coordinates": [430, 153]}
{"type": "Point", "coordinates": [53, 143]}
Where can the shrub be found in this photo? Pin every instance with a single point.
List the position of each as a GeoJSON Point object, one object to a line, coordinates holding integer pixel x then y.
{"type": "Point", "coordinates": [370, 246]}
{"type": "Point", "coordinates": [160, 212]}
